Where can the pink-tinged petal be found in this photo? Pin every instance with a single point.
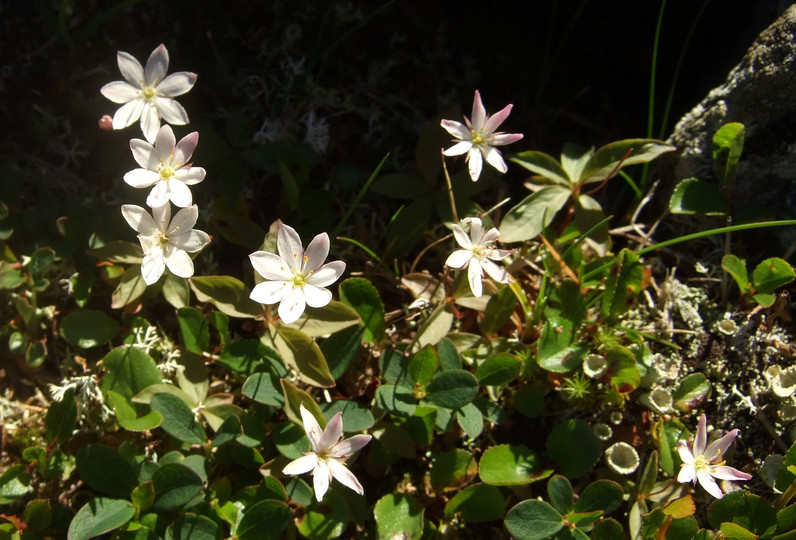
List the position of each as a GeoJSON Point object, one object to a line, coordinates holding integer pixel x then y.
{"type": "Point", "coordinates": [710, 485]}
{"type": "Point", "coordinates": [497, 254]}
{"type": "Point", "coordinates": [190, 175]}
{"type": "Point", "coordinates": [723, 472]}
{"type": "Point", "coordinates": [184, 220]}
{"type": "Point", "coordinates": [131, 68]}
{"type": "Point", "coordinates": [474, 277]}
{"type": "Point", "coordinates": [288, 244]}
{"type": "Point", "coordinates": [476, 230]}
{"type": "Point", "coordinates": [164, 142]}
{"type": "Point", "coordinates": [176, 84]}
{"type": "Point", "coordinates": [502, 139]}
{"type": "Point", "coordinates": [462, 238]}
{"type": "Point", "coordinates": [186, 146]}
{"type": "Point", "coordinates": [139, 219]}
{"type": "Point", "coordinates": [459, 258]}
{"type": "Point", "coordinates": [120, 92]}
{"type": "Point", "coordinates": [685, 454]}
{"type": "Point", "coordinates": [494, 158]}
{"type": "Point", "coordinates": [498, 273]}
{"type": "Point", "coordinates": [159, 196]}
{"type": "Point", "coordinates": [156, 65]}
{"type": "Point", "coordinates": [687, 474]}
{"type": "Point", "coordinates": [270, 292]}
{"type": "Point", "coordinates": [457, 129]}
{"type": "Point", "coordinates": [496, 119]}
{"type": "Point", "coordinates": [144, 154]}
{"type": "Point", "coordinates": [270, 266]}
{"type": "Point", "coordinates": [316, 252]}
{"type": "Point", "coordinates": [171, 111]}
{"type": "Point", "coordinates": [716, 449]}
{"type": "Point", "coordinates": [331, 435]}
{"type": "Point", "coordinates": [474, 163]}
{"type": "Point", "coordinates": [344, 476]}
{"type": "Point", "coordinates": [326, 274]}
{"type": "Point", "coordinates": [316, 297]}
{"type": "Point", "coordinates": [311, 427]}
{"type": "Point", "coordinates": [320, 480]}
{"type": "Point", "coordinates": [346, 447]}
{"type": "Point", "coordinates": [191, 241]}
{"type": "Point", "coordinates": [479, 113]}
{"type": "Point", "coordinates": [490, 236]}
{"type": "Point", "coordinates": [153, 265]}
{"type": "Point", "coordinates": [301, 465]}
{"type": "Point", "coordinates": [178, 262]}
{"type": "Point", "coordinates": [180, 194]}
{"type": "Point", "coordinates": [458, 148]}
{"type": "Point", "coordinates": [701, 436]}
{"type": "Point", "coordinates": [150, 122]}
{"type": "Point", "coordinates": [292, 306]}
{"type": "Point", "coordinates": [141, 178]}
{"type": "Point", "coordinates": [127, 114]}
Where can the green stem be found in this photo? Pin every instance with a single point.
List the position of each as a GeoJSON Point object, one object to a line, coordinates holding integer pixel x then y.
{"type": "Point", "coordinates": [454, 214]}
{"type": "Point", "coordinates": [359, 196]}
{"type": "Point", "coordinates": [720, 230]}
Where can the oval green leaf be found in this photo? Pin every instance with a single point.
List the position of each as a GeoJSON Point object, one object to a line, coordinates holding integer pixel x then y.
{"type": "Point", "coordinates": [99, 516]}
{"type": "Point", "coordinates": [86, 328]}
{"type": "Point", "coordinates": [452, 389]}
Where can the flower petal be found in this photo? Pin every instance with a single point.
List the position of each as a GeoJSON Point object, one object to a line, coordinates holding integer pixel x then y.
{"type": "Point", "coordinates": [716, 449]}
{"type": "Point", "coordinates": [496, 119]}
{"type": "Point", "coordinates": [127, 114]}
{"type": "Point", "coordinates": [326, 274]}
{"type": "Point", "coordinates": [141, 178]}
{"type": "Point", "coordinates": [457, 129]}
{"type": "Point", "coordinates": [701, 436]}
{"type": "Point", "coordinates": [270, 292]}
{"type": "Point", "coordinates": [346, 447]}
{"type": "Point", "coordinates": [171, 111]}
{"type": "Point", "coordinates": [270, 266]}
{"type": "Point", "coordinates": [131, 68]}
{"type": "Point", "coordinates": [302, 465]}
{"type": "Point", "coordinates": [462, 238]}
{"type": "Point", "coordinates": [178, 262]}
{"type": "Point", "coordinates": [190, 175]}
{"type": "Point", "coordinates": [184, 220]}
{"type": "Point", "coordinates": [164, 143]}
{"type": "Point", "coordinates": [332, 433]}
{"type": "Point", "coordinates": [176, 84]}
{"type": "Point", "coordinates": [144, 154]}
{"type": "Point", "coordinates": [459, 258]}
{"type": "Point", "coordinates": [179, 193]}
{"type": "Point", "coordinates": [292, 306]}
{"type": "Point", "coordinates": [475, 163]}
{"type": "Point", "coordinates": [498, 273]}
{"type": "Point", "coordinates": [184, 149]}
{"type": "Point", "coordinates": [288, 244]}
{"type": "Point", "coordinates": [139, 219]}
{"type": "Point", "coordinates": [479, 113]}
{"type": "Point", "coordinates": [687, 474]}
{"type": "Point", "coordinates": [502, 139]}
{"type": "Point", "coordinates": [685, 453]}
{"type": "Point", "coordinates": [723, 472]}
{"type": "Point", "coordinates": [710, 485]}
{"type": "Point", "coordinates": [159, 196]}
{"type": "Point", "coordinates": [458, 148]}
{"type": "Point", "coordinates": [120, 92]}
{"type": "Point", "coordinates": [316, 297]}
{"type": "Point", "coordinates": [344, 476]}
{"type": "Point", "coordinates": [474, 277]}
{"type": "Point", "coordinates": [311, 427]}
{"type": "Point", "coordinates": [156, 65]}
{"type": "Point", "coordinates": [316, 252]}
{"type": "Point", "coordinates": [150, 122]}
{"type": "Point", "coordinates": [494, 158]}
{"type": "Point", "coordinates": [490, 236]}
{"type": "Point", "coordinates": [320, 480]}
{"type": "Point", "coordinates": [476, 230]}
{"type": "Point", "coordinates": [191, 241]}
{"type": "Point", "coordinates": [153, 265]}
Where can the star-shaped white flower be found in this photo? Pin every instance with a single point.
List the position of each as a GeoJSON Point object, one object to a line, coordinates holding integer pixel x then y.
{"type": "Point", "coordinates": [478, 138]}
{"type": "Point", "coordinates": [477, 254]}
{"type": "Point", "coordinates": [328, 455]}
{"type": "Point", "coordinates": [146, 94]}
{"type": "Point", "coordinates": [297, 278]}
{"type": "Point", "coordinates": [166, 166]}
{"type": "Point", "coordinates": [166, 244]}
{"type": "Point", "coordinates": [704, 464]}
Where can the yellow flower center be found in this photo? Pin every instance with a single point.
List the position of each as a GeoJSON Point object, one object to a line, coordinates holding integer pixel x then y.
{"type": "Point", "coordinates": [163, 238]}
{"type": "Point", "coordinates": [148, 93]}
{"type": "Point", "coordinates": [478, 138]}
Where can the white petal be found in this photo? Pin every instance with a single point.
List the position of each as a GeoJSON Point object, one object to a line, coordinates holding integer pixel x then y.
{"type": "Point", "coordinates": [270, 292]}
{"type": "Point", "coordinates": [701, 436]}
{"type": "Point", "coordinates": [270, 266]}
{"type": "Point", "coordinates": [474, 277]}
{"type": "Point", "coordinates": [326, 274]}
{"type": "Point", "coordinates": [479, 113]}
{"type": "Point", "coordinates": [127, 114]}
{"type": "Point", "coordinates": [179, 193]}
{"type": "Point", "coordinates": [141, 178]}
{"type": "Point", "coordinates": [184, 220]}
{"type": "Point", "coordinates": [344, 476]}
{"type": "Point", "coordinates": [458, 148]}
{"type": "Point", "coordinates": [316, 252]}
{"type": "Point", "coordinates": [490, 236]}
{"type": "Point", "coordinates": [301, 465]}
{"type": "Point", "coordinates": [190, 175]}
{"type": "Point", "coordinates": [462, 238]}
{"type": "Point", "coordinates": [685, 454]}
{"type": "Point", "coordinates": [476, 231]}
{"type": "Point", "coordinates": [457, 129]}
{"type": "Point", "coordinates": [139, 219]}
{"type": "Point", "coordinates": [156, 65]}
{"type": "Point", "coordinates": [459, 258]}
{"type": "Point", "coordinates": [120, 92]}
{"type": "Point", "coordinates": [320, 480]}
{"type": "Point", "coordinates": [723, 472]}
{"type": "Point", "coordinates": [192, 241]}
{"type": "Point", "coordinates": [498, 273]}
{"type": "Point", "coordinates": [292, 306]}
{"type": "Point", "coordinates": [494, 158]}
{"type": "Point", "coordinates": [131, 68]}
{"type": "Point", "coordinates": [311, 427]}
{"type": "Point", "coordinates": [346, 447]}
{"type": "Point", "coordinates": [316, 297]}
{"type": "Point", "coordinates": [164, 143]}
{"type": "Point", "coordinates": [687, 474]}
{"type": "Point", "coordinates": [502, 139]}
{"type": "Point", "coordinates": [710, 485]}
{"type": "Point", "coordinates": [150, 122]}
{"type": "Point", "coordinates": [162, 217]}
{"type": "Point", "coordinates": [178, 262]}
{"type": "Point", "coordinates": [717, 448]}
{"type": "Point", "coordinates": [332, 433]}
{"type": "Point", "coordinates": [171, 111]}
{"type": "Point", "coordinates": [144, 154]}
{"type": "Point", "coordinates": [186, 146]}
{"type": "Point", "coordinates": [288, 244]}
{"type": "Point", "coordinates": [153, 265]}
{"type": "Point", "coordinates": [176, 84]}
{"type": "Point", "coordinates": [474, 163]}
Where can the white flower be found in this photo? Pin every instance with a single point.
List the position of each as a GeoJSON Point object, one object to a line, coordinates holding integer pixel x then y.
{"type": "Point", "coordinates": [478, 138]}
{"type": "Point", "coordinates": [477, 253]}
{"type": "Point", "coordinates": [146, 94]}
{"type": "Point", "coordinates": [329, 452]}
{"type": "Point", "coordinates": [705, 464]}
{"type": "Point", "coordinates": [166, 166]}
{"type": "Point", "coordinates": [298, 278]}
{"type": "Point", "coordinates": [166, 244]}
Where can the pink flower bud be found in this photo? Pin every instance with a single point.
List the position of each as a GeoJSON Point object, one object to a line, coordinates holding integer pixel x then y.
{"type": "Point", "coordinates": [106, 123]}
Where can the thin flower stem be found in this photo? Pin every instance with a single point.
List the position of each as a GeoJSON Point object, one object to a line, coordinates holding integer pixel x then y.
{"type": "Point", "coordinates": [454, 214]}
{"type": "Point", "coordinates": [359, 196]}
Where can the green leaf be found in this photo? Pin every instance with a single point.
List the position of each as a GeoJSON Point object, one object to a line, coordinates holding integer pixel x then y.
{"type": "Point", "coordinates": [10, 276]}
{"type": "Point", "coordinates": [680, 508]}
{"type": "Point", "coordinates": [535, 212]}
{"type": "Point", "coordinates": [14, 484]}
{"type": "Point", "coordinates": [590, 218]}
{"type": "Point", "coordinates": [533, 520]}
{"type": "Point", "coordinates": [195, 330]}
{"type": "Point", "coordinates": [264, 520]}
{"type": "Point", "coordinates": [498, 311]}
{"type": "Point", "coordinates": [127, 416]}
{"type": "Point", "coordinates": [129, 370]}
{"type": "Point", "coordinates": [573, 445]}
{"type": "Point", "coordinates": [650, 475]}
{"type": "Point", "coordinates": [119, 251]}
{"type": "Point", "coordinates": [294, 398]}
{"type": "Point", "coordinates": [333, 317]}
{"type": "Point", "coordinates": [608, 529]}
{"type": "Point", "coordinates": [727, 148]}
{"type": "Point", "coordinates": [501, 368]}
{"type": "Point", "coordinates": [175, 485]}
{"type": "Point", "coordinates": [452, 468]}
{"type": "Point", "coordinates": [560, 494]}
{"type": "Point", "coordinates": [603, 495]}
{"type": "Point", "coordinates": [263, 388]}
{"type": "Point", "coordinates": [448, 355]}
{"type": "Point", "coordinates": [574, 157]}
{"type": "Point", "coordinates": [732, 531]}
{"type": "Point", "coordinates": [423, 365]}
{"type": "Point", "coordinates": [227, 293]}
{"type": "Point", "coordinates": [38, 514]}
{"type": "Point", "coordinates": [327, 521]}
{"type": "Point", "coordinates": [421, 424]}
{"type": "Point", "coordinates": [99, 516]}
{"type": "Point", "coordinates": [544, 165]}
{"type": "Point", "coordinates": [40, 260]}
{"type": "Point", "coordinates": [692, 391]}
{"type": "Point", "coordinates": [130, 288]}
{"type": "Point", "coordinates": [398, 516]}
{"type": "Point", "coordinates": [356, 417]}
{"type": "Point", "coordinates": [678, 529]}
{"type": "Point", "coordinates": [301, 352]}
{"type": "Point", "coordinates": [744, 509]}
{"type": "Point", "coordinates": [529, 401]}
{"type": "Point", "coordinates": [609, 159]}
{"type": "Point", "coordinates": [510, 465]}
{"type": "Point", "coordinates": [407, 227]}
{"type": "Point", "coordinates": [736, 267]}
{"type": "Point", "coordinates": [623, 284]}
{"type": "Point", "coordinates": [106, 471]}
{"type": "Point", "coordinates": [179, 420]}
{"type": "Point", "coordinates": [769, 275]}
{"type": "Point", "coordinates": [694, 196]}
{"type": "Point", "coordinates": [452, 389]}
{"type": "Point", "coordinates": [86, 328]}
{"type": "Point", "coordinates": [245, 356]}
{"type": "Point", "coordinates": [143, 496]}
{"type": "Point", "coordinates": [176, 291]}
{"type": "Point", "coordinates": [478, 503]}
{"type": "Point", "coordinates": [436, 327]}
{"type": "Point", "coordinates": [667, 434]}
{"type": "Point", "coordinates": [61, 418]}
{"type": "Point", "coordinates": [341, 348]}
{"type": "Point", "coordinates": [396, 399]}
{"type": "Point", "coordinates": [190, 526]}
{"type": "Point", "coordinates": [470, 419]}
{"type": "Point", "coordinates": [556, 352]}
{"type": "Point", "coordinates": [622, 365]}
{"type": "Point", "coordinates": [361, 296]}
